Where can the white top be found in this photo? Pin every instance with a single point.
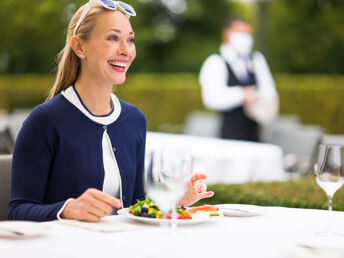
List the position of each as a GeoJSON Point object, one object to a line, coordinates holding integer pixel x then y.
{"type": "Point", "coordinates": [71, 95]}
{"type": "Point", "coordinates": [112, 180]}
{"type": "Point", "coordinates": [213, 78]}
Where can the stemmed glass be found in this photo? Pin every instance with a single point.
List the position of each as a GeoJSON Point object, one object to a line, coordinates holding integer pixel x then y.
{"type": "Point", "coordinates": [177, 169]}
{"type": "Point", "coordinates": [168, 171]}
{"type": "Point", "coordinates": [329, 175]}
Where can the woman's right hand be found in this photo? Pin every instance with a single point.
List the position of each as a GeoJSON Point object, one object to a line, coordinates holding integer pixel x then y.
{"type": "Point", "coordinates": [92, 205]}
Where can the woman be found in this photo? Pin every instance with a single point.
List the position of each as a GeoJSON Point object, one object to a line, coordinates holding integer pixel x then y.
{"type": "Point", "coordinates": [81, 153]}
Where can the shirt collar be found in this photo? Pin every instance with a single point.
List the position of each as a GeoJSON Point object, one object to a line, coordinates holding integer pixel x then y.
{"type": "Point", "coordinates": [230, 54]}
{"type": "Point", "coordinates": [73, 97]}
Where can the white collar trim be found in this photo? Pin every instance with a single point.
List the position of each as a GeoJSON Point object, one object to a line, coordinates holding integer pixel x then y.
{"type": "Point", "coordinates": [73, 98]}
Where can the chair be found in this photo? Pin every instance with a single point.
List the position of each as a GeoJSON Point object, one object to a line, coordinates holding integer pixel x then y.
{"type": "Point", "coordinates": [15, 121]}
{"type": "Point", "coordinates": [333, 139]}
{"type": "Point", "coordinates": [6, 139]}
{"type": "Point", "coordinates": [284, 123]}
{"type": "Point", "coordinates": [5, 178]}
{"type": "Point", "coordinates": [299, 146]}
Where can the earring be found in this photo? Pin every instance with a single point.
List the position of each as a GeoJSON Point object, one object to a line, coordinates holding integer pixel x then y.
{"type": "Point", "coordinates": [81, 56]}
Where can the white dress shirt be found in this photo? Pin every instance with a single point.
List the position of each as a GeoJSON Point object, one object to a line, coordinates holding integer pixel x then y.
{"type": "Point", "coordinates": [216, 95]}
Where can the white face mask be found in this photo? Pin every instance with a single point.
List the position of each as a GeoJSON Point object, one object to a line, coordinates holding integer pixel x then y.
{"type": "Point", "coordinates": [242, 42]}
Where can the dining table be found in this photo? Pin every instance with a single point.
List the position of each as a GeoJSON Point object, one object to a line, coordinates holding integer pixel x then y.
{"type": "Point", "coordinates": [272, 232]}
{"type": "Point", "coordinates": [224, 160]}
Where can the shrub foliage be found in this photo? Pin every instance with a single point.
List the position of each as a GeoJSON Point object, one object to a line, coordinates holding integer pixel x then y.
{"type": "Point", "coordinates": [298, 193]}
{"type": "Point", "coordinates": [169, 98]}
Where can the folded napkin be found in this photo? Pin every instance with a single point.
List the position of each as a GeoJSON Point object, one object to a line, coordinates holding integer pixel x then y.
{"type": "Point", "coordinates": [102, 226]}
{"type": "Point", "coordinates": [22, 229]}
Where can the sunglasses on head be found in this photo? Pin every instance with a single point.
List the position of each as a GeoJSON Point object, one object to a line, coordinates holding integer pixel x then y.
{"type": "Point", "coordinates": [108, 4]}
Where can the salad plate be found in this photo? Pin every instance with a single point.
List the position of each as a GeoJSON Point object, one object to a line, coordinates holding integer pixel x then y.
{"type": "Point", "coordinates": [201, 219]}
{"type": "Point", "coordinates": [240, 210]}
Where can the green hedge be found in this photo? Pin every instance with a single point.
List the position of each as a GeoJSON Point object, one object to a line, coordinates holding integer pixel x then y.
{"type": "Point", "coordinates": [168, 98]}
{"type": "Point", "coordinates": [299, 193]}
{"type": "Point", "coordinates": [23, 91]}
{"type": "Point", "coordinates": [317, 99]}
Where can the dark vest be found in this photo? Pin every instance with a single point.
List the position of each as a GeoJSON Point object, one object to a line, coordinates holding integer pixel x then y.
{"type": "Point", "coordinates": [235, 124]}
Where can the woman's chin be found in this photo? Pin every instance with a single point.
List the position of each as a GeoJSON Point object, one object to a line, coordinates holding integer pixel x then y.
{"type": "Point", "coordinates": [119, 80]}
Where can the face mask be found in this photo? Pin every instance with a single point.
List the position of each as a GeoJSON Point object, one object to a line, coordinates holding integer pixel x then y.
{"type": "Point", "coordinates": [242, 42]}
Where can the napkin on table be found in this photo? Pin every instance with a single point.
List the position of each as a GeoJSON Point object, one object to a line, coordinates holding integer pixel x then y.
{"type": "Point", "coordinates": [102, 226]}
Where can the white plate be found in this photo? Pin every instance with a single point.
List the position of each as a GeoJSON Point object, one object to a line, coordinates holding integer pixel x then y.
{"type": "Point", "coordinates": [239, 210]}
{"type": "Point", "coordinates": [125, 212]}
{"type": "Point", "coordinates": [20, 229]}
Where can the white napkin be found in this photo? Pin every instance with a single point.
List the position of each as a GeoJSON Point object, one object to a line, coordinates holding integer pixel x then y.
{"type": "Point", "coordinates": [264, 110]}
{"type": "Point", "coordinates": [102, 226]}
{"type": "Point", "coordinates": [21, 229]}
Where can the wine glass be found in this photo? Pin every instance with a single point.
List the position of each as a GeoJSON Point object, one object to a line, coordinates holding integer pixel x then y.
{"type": "Point", "coordinates": [155, 183]}
{"type": "Point", "coordinates": [177, 170]}
{"type": "Point", "coordinates": [329, 174]}
{"type": "Point", "coordinates": [168, 171]}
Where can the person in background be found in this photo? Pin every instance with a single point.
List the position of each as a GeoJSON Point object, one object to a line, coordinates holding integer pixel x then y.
{"type": "Point", "coordinates": [81, 153]}
{"type": "Point", "coordinates": [235, 80]}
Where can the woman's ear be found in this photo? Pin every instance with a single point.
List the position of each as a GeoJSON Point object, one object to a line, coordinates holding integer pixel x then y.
{"type": "Point", "coordinates": [77, 46]}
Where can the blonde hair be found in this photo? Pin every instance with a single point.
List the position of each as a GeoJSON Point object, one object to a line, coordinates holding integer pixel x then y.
{"type": "Point", "coordinates": [68, 68]}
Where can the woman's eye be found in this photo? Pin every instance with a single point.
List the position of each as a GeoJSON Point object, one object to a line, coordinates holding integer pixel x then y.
{"type": "Point", "coordinates": [131, 40]}
{"type": "Point", "coordinates": [113, 37]}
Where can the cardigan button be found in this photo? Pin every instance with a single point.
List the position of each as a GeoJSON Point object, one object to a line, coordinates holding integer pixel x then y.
{"type": "Point", "coordinates": [105, 127]}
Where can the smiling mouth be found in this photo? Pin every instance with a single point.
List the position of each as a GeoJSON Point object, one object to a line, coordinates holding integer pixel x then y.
{"type": "Point", "coordinates": [117, 64]}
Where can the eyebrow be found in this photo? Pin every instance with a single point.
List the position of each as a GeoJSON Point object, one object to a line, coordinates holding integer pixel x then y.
{"type": "Point", "coordinates": [119, 31]}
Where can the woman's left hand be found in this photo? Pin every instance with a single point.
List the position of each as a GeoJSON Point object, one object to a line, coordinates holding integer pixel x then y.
{"type": "Point", "coordinates": [196, 190]}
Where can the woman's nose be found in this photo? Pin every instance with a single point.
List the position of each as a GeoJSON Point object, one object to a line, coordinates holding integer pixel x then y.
{"type": "Point", "coordinates": [123, 49]}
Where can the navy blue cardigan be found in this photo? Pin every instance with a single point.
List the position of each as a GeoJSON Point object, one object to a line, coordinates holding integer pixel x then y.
{"type": "Point", "coordinates": [58, 155]}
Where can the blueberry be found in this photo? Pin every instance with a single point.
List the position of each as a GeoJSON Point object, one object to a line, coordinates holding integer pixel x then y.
{"type": "Point", "coordinates": [144, 210]}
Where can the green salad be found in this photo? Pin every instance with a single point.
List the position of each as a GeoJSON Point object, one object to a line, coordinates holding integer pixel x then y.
{"type": "Point", "coordinates": [145, 208]}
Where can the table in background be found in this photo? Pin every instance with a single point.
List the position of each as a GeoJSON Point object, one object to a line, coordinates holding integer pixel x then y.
{"type": "Point", "coordinates": [227, 161]}
{"type": "Point", "coordinates": [273, 234]}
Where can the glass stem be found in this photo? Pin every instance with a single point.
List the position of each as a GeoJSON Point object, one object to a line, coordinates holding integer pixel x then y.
{"type": "Point", "coordinates": [329, 219]}
{"type": "Point", "coordinates": [164, 224]}
{"type": "Point", "coordinates": [174, 222]}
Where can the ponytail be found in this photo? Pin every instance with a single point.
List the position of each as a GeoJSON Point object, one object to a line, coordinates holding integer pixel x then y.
{"type": "Point", "coordinates": [69, 63]}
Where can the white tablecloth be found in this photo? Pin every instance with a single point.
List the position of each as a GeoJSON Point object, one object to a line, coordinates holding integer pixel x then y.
{"type": "Point", "coordinates": [227, 161]}
{"type": "Point", "coordinates": [276, 233]}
